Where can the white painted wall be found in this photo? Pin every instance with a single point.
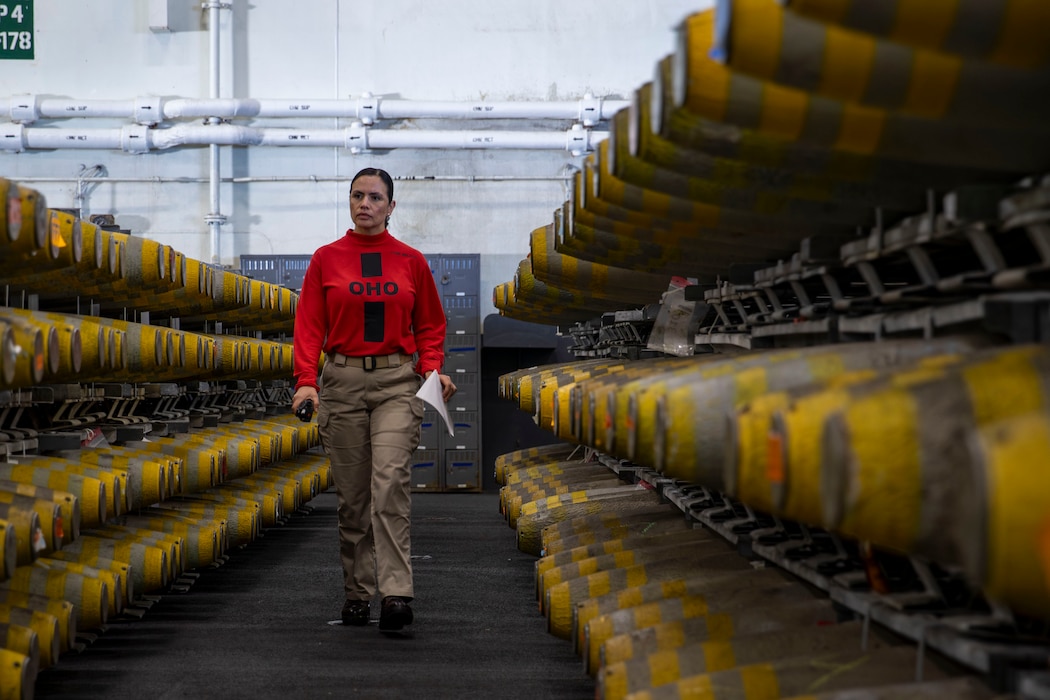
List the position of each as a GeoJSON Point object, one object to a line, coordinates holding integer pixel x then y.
{"type": "Point", "coordinates": [465, 50]}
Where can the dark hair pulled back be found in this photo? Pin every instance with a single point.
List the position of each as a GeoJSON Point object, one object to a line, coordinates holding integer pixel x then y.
{"type": "Point", "coordinates": [382, 175]}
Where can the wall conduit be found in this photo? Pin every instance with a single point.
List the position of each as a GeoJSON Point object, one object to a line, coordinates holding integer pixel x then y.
{"type": "Point", "coordinates": [26, 109]}
{"type": "Point", "coordinates": [357, 138]}
{"type": "Point", "coordinates": [214, 218]}
{"type": "Point", "coordinates": [157, 180]}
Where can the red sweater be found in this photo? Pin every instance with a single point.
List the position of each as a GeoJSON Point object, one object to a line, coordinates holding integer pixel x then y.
{"type": "Point", "coordinates": [368, 295]}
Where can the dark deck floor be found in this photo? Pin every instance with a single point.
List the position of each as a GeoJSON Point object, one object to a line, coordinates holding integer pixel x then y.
{"type": "Point", "coordinates": [258, 626]}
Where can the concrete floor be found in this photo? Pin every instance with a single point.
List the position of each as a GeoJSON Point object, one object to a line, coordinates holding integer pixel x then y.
{"type": "Point", "coordinates": [258, 626]}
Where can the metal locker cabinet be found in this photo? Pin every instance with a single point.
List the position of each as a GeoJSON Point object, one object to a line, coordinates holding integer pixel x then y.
{"type": "Point", "coordinates": [293, 270]}
{"type": "Point", "coordinates": [285, 270]}
{"type": "Point", "coordinates": [435, 266]}
{"type": "Point", "coordinates": [466, 396]}
{"type": "Point", "coordinates": [431, 430]}
{"type": "Point", "coordinates": [467, 429]}
{"type": "Point", "coordinates": [459, 275]}
{"type": "Point", "coordinates": [461, 353]}
{"type": "Point", "coordinates": [426, 471]}
{"type": "Point", "coordinates": [458, 279]}
{"type": "Point", "coordinates": [264, 268]}
{"type": "Point", "coordinates": [462, 470]}
{"type": "Point", "coordinates": [461, 312]}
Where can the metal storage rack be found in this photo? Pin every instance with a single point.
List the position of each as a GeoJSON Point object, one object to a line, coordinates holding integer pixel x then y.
{"type": "Point", "coordinates": [977, 264]}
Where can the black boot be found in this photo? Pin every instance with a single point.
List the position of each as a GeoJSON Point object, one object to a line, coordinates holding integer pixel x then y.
{"type": "Point", "coordinates": [394, 614]}
{"type": "Point", "coordinates": [355, 612]}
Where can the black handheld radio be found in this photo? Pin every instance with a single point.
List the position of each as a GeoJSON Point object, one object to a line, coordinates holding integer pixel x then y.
{"type": "Point", "coordinates": [305, 411]}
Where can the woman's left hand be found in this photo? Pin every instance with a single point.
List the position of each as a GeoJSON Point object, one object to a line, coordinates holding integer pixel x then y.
{"type": "Point", "coordinates": [447, 387]}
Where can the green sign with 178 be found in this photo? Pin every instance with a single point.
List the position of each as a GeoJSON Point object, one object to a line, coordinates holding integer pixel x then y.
{"type": "Point", "coordinates": [16, 29]}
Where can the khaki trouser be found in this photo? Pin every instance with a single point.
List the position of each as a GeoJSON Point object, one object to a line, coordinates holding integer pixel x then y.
{"type": "Point", "coordinates": [369, 426]}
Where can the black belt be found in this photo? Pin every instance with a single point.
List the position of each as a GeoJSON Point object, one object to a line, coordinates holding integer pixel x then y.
{"type": "Point", "coordinates": [369, 362]}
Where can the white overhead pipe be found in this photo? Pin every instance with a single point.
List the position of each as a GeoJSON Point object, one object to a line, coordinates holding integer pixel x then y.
{"type": "Point", "coordinates": [356, 138]}
{"type": "Point", "coordinates": [26, 109]}
{"type": "Point", "coordinates": [577, 140]}
{"type": "Point", "coordinates": [589, 111]}
{"type": "Point", "coordinates": [158, 180]}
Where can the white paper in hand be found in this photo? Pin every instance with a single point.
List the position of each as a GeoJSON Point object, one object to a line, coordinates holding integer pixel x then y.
{"type": "Point", "coordinates": [430, 392]}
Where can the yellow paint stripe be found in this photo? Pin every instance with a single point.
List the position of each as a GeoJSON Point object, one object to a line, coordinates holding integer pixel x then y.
{"type": "Point", "coordinates": [663, 668]}
{"type": "Point", "coordinates": [674, 588]}
{"type": "Point", "coordinates": [56, 584]}
{"type": "Point", "coordinates": [755, 37]}
{"type": "Point", "coordinates": [586, 537]}
{"type": "Point", "coordinates": [545, 565]}
{"type": "Point", "coordinates": [1018, 525]}
{"type": "Point", "coordinates": [598, 631]}
{"type": "Point", "coordinates": [718, 656]}
{"type": "Point", "coordinates": [569, 268]}
{"type": "Point", "coordinates": [884, 502]}
{"type": "Point", "coordinates": [586, 610]}
{"type": "Point", "coordinates": [708, 82]}
{"type": "Point", "coordinates": [636, 576]}
{"type": "Point", "coordinates": [613, 682]}
{"type": "Point", "coordinates": [617, 649]}
{"type": "Point", "coordinates": [677, 429]}
{"type": "Point", "coordinates": [628, 598]}
{"type": "Point", "coordinates": [693, 687]}
{"type": "Point", "coordinates": [934, 78]}
{"type": "Point", "coordinates": [861, 129]}
{"type": "Point", "coordinates": [994, 398]}
{"type": "Point", "coordinates": [846, 69]}
{"type": "Point", "coordinates": [719, 626]}
{"type": "Point", "coordinates": [647, 615]}
{"type": "Point", "coordinates": [694, 606]}
{"type": "Point", "coordinates": [88, 586]}
{"type": "Point", "coordinates": [783, 111]}
{"type": "Point", "coordinates": [670, 636]}
{"type": "Point", "coordinates": [803, 425]}
{"type": "Point", "coordinates": [754, 468]}
{"type": "Point", "coordinates": [598, 584]}
{"type": "Point", "coordinates": [1022, 40]}
{"type": "Point", "coordinates": [586, 567]}
{"type": "Point", "coordinates": [760, 682]}
{"type": "Point", "coordinates": [924, 23]}
{"type": "Point", "coordinates": [599, 277]}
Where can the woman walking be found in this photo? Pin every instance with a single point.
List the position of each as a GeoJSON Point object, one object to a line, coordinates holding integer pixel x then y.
{"type": "Point", "coordinates": [369, 303]}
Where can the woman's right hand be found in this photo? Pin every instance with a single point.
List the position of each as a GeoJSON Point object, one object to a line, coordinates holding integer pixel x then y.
{"type": "Point", "coordinates": [302, 394]}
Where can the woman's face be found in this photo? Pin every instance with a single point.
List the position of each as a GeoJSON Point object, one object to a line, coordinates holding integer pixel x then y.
{"type": "Point", "coordinates": [370, 204]}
